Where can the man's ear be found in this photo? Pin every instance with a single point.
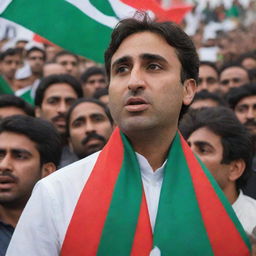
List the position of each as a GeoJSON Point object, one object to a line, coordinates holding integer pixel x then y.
{"type": "Point", "coordinates": [237, 168]}
{"type": "Point", "coordinates": [47, 169]}
{"type": "Point", "coordinates": [189, 90]}
{"type": "Point", "coordinates": [37, 112]}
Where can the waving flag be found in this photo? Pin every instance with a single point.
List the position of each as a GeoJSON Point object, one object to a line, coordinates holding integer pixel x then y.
{"type": "Point", "coordinates": [80, 26]}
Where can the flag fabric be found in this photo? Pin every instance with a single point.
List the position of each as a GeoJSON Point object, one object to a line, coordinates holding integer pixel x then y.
{"type": "Point", "coordinates": [193, 218]}
{"type": "Point", "coordinates": [5, 88]}
{"type": "Point", "coordinates": [26, 94]}
{"type": "Point", "coordinates": [81, 26]}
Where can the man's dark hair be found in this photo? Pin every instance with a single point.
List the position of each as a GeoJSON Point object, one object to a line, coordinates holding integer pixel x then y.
{"type": "Point", "coordinates": [82, 100]}
{"type": "Point", "coordinates": [64, 52]}
{"type": "Point", "coordinates": [170, 31]}
{"type": "Point", "coordinates": [36, 49]}
{"type": "Point", "coordinates": [235, 139]}
{"type": "Point", "coordinates": [48, 81]}
{"type": "Point", "coordinates": [238, 93]}
{"type": "Point", "coordinates": [10, 52]}
{"type": "Point", "coordinates": [41, 132]}
{"type": "Point", "coordinates": [210, 64]}
{"type": "Point", "coordinates": [90, 72]}
{"type": "Point", "coordinates": [10, 100]}
{"type": "Point", "coordinates": [100, 92]}
{"type": "Point", "coordinates": [205, 95]}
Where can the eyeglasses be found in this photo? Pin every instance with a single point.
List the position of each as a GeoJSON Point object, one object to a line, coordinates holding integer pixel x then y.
{"type": "Point", "coordinates": [209, 80]}
{"type": "Point", "coordinates": [235, 80]}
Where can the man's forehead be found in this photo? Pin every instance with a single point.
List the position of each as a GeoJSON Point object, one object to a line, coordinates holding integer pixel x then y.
{"type": "Point", "coordinates": [247, 100]}
{"type": "Point", "coordinates": [59, 89]}
{"type": "Point", "coordinates": [87, 108]}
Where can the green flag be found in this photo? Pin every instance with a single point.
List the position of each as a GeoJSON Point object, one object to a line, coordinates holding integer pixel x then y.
{"type": "Point", "coordinates": [81, 26]}
{"type": "Point", "coordinates": [5, 88]}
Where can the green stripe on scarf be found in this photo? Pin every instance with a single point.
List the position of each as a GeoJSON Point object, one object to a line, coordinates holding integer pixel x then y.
{"type": "Point", "coordinates": [178, 211]}
{"type": "Point", "coordinates": [118, 233]}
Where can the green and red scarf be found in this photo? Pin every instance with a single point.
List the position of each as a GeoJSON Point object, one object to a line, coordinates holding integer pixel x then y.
{"type": "Point", "coordinates": [111, 217]}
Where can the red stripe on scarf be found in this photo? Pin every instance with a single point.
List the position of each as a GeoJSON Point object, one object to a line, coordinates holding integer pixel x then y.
{"type": "Point", "coordinates": [143, 240]}
{"type": "Point", "coordinates": [207, 199]}
{"type": "Point", "coordinates": [85, 228]}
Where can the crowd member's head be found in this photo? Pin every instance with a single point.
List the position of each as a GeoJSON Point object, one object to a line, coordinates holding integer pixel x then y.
{"type": "Point", "coordinates": [89, 126]}
{"type": "Point", "coordinates": [10, 61]}
{"type": "Point", "coordinates": [102, 95]}
{"type": "Point", "coordinates": [205, 98]}
{"type": "Point", "coordinates": [248, 60]}
{"type": "Point", "coordinates": [243, 101]}
{"type": "Point", "coordinates": [233, 75]}
{"type": "Point", "coordinates": [69, 61]}
{"type": "Point", "coordinates": [53, 98]}
{"type": "Point", "coordinates": [223, 144]}
{"type": "Point", "coordinates": [53, 68]}
{"type": "Point", "coordinates": [93, 79]}
{"type": "Point", "coordinates": [36, 58]}
{"type": "Point", "coordinates": [20, 44]}
{"type": "Point", "coordinates": [162, 83]}
{"type": "Point", "coordinates": [23, 77]}
{"type": "Point", "coordinates": [30, 149]}
{"type": "Point", "coordinates": [208, 77]}
{"type": "Point", "coordinates": [12, 105]}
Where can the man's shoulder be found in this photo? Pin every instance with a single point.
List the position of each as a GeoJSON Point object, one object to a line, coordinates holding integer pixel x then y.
{"type": "Point", "coordinates": [245, 202]}
{"type": "Point", "coordinates": [76, 172]}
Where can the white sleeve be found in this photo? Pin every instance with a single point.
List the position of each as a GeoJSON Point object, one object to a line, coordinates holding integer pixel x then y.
{"type": "Point", "coordinates": [36, 232]}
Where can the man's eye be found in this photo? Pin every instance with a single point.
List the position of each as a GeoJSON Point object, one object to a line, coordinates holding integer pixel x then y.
{"type": "Point", "coordinates": [52, 101]}
{"type": "Point", "coordinates": [121, 69]}
{"type": "Point", "coordinates": [21, 156]}
{"type": "Point", "coordinates": [242, 109]}
{"type": "Point", "coordinates": [77, 123]}
{"type": "Point", "coordinates": [204, 150]}
{"type": "Point", "coordinates": [154, 66]}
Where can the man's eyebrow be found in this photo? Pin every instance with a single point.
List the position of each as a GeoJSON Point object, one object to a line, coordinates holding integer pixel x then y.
{"type": "Point", "coordinates": [21, 150]}
{"type": "Point", "coordinates": [202, 143]}
{"type": "Point", "coordinates": [120, 61]}
{"type": "Point", "coordinates": [152, 57]}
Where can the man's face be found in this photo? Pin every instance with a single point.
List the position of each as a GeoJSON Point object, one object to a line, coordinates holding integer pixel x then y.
{"type": "Point", "coordinates": [89, 129]}
{"type": "Point", "coordinates": [56, 102]}
{"type": "Point", "coordinates": [70, 63]}
{"type": "Point", "coordinates": [207, 146]}
{"type": "Point", "coordinates": [19, 168]}
{"type": "Point", "coordinates": [10, 111]}
{"type": "Point", "coordinates": [36, 61]}
{"type": "Point", "coordinates": [145, 89]}
{"type": "Point", "coordinates": [10, 64]}
{"type": "Point", "coordinates": [52, 69]}
{"type": "Point", "coordinates": [208, 79]}
{"type": "Point", "coordinates": [203, 103]}
{"type": "Point", "coordinates": [233, 77]}
{"type": "Point", "coordinates": [94, 83]}
{"type": "Point", "coordinates": [245, 111]}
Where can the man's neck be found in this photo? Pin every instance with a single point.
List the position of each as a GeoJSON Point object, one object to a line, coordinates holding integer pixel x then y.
{"type": "Point", "coordinates": [9, 215]}
{"type": "Point", "coordinates": [154, 147]}
{"type": "Point", "coordinates": [231, 193]}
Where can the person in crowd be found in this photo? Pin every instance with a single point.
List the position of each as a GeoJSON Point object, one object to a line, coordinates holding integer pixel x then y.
{"type": "Point", "coordinates": [102, 95]}
{"type": "Point", "coordinates": [208, 77]}
{"type": "Point", "coordinates": [12, 105]}
{"type": "Point", "coordinates": [30, 149]}
{"type": "Point", "coordinates": [93, 79]}
{"type": "Point", "coordinates": [248, 60]}
{"type": "Point", "coordinates": [10, 61]}
{"type": "Point", "coordinates": [224, 145]}
{"type": "Point", "coordinates": [36, 58]}
{"type": "Point", "coordinates": [54, 96]}
{"type": "Point", "coordinates": [89, 126]}
{"type": "Point", "coordinates": [207, 99]}
{"type": "Point", "coordinates": [53, 68]}
{"type": "Point", "coordinates": [136, 183]}
{"type": "Point", "coordinates": [233, 75]}
{"type": "Point", "coordinates": [69, 61]}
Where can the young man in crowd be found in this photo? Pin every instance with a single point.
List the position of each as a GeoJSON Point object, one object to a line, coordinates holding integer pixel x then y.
{"type": "Point", "coordinates": [12, 105]}
{"type": "Point", "coordinates": [10, 61]}
{"type": "Point", "coordinates": [54, 96]}
{"type": "Point", "coordinates": [136, 196]}
{"type": "Point", "coordinates": [69, 61]}
{"type": "Point", "coordinates": [224, 145]}
{"type": "Point", "coordinates": [89, 126]}
{"type": "Point", "coordinates": [93, 79]}
{"type": "Point", "coordinates": [30, 149]}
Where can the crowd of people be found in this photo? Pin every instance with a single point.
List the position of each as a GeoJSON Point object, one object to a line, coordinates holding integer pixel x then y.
{"type": "Point", "coordinates": [153, 83]}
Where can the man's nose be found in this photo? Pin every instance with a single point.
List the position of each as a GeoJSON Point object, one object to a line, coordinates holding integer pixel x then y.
{"type": "Point", "coordinates": [62, 108]}
{"type": "Point", "coordinates": [136, 81]}
{"type": "Point", "coordinates": [251, 114]}
{"type": "Point", "coordinates": [90, 127]}
{"type": "Point", "coordinates": [5, 163]}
